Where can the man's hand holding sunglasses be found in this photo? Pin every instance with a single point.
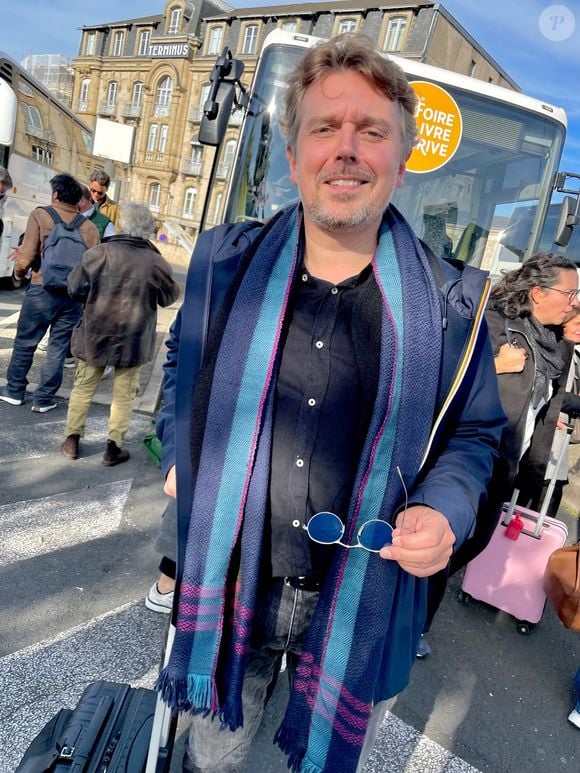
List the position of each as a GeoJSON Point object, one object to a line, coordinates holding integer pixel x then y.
{"type": "Point", "coordinates": [423, 545]}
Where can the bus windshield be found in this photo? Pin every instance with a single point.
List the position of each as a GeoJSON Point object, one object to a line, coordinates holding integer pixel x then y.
{"type": "Point", "coordinates": [506, 159]}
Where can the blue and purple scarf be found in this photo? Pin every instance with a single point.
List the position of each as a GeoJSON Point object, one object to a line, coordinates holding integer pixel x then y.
{"type": "Point", "coordinates": [344, 651]}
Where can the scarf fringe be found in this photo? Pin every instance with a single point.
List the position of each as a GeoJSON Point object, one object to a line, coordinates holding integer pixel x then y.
{"type": "Point", "coordinates": [173, 690]}
{"type": "Point", "coordinates": [287, 740]}
{"type": "Point", "coordinates": [202, 692]}
{"type": "Point", "coordinates": [231, 713]}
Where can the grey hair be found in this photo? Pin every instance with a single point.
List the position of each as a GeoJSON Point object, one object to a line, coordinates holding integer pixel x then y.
{"type": "Point", "coordinates": [355, 53]}
{"type": "Point", "coordinates": [100, 177]}
{"type": "Point", "coordinates": [136, 220]}
{"type": "Point", "coordinates": [5, 177]}
{"type": "Point", "coordinates": [86, 194]}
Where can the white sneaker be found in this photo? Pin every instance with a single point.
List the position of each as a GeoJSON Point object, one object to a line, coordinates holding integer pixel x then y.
{"type": "Point", "coordinates": [574, 718]}
{"type": "Point", "coordinates": [159, 602]}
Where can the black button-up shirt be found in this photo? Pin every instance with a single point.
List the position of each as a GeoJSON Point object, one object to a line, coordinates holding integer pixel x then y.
{"type": "Point", "coordinates": [317, 433]}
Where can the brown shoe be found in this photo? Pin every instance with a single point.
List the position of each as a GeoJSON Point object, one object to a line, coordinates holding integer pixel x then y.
{"type": "Point", "coordinates": [114, 455]}
{"type": "Point", "coordinates": [70, 447]}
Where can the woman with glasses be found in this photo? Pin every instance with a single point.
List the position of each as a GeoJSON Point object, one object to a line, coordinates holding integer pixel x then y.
{"type": "Point", "coordinates": [525, 311]}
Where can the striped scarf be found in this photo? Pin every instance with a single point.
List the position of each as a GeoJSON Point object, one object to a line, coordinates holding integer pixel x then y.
{"type": "Point", "coordinates": [344, 651]}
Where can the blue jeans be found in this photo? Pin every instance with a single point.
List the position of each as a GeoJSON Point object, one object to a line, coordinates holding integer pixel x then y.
{"type": "Point", "coordinates": [280, 625]}
{"type": "Point", "coordinates": [41, 310]}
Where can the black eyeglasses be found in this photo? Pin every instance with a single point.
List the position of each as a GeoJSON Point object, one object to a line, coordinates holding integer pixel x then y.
{"type": "Point", "coordinates": [572, 295]}
{"type": "Point", "coordinates": [327, 529]}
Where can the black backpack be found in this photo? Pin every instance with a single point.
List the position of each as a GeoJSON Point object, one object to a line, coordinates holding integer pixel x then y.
{"type": "Point", "coordinates": [63, 249]}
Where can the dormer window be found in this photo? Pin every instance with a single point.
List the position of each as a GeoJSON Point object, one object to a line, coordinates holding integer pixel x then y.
{"type": "Point", "coordinates": [346, 25]}
{"type": "Point", "coordinates": [174, 21]}
{"type": "Point", "coordinates": [395, 33]}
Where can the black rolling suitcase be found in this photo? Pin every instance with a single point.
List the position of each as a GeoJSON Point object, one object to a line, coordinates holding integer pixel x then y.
{"type": "Point", "coordinates": [109, 730]}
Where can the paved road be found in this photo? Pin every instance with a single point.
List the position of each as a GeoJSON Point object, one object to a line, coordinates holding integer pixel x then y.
{"type": "Point", "coordinates": [76, 558]}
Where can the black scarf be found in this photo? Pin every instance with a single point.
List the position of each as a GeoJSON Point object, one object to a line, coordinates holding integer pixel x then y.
{"type": "Point", "coordinates": [549, 362]}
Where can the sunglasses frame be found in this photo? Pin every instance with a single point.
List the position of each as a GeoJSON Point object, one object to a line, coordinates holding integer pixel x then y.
{"type": "Point", "coordinates": [362, 527]}
{"type": "Point", "coordinates": [342, 528]}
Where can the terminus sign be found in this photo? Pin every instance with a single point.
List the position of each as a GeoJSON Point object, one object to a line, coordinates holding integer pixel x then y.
{"type": "Point", "coordinates": [166, 50]}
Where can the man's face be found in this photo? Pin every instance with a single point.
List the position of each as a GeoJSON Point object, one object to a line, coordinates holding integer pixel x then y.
{"type": "Point", "coordinates": [98, 192]}
{"type": "Point", "coordinates": [348, 158]}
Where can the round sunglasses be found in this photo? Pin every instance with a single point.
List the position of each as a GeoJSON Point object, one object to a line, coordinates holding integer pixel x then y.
{"type": "Point", "coordinates": [327, 528]}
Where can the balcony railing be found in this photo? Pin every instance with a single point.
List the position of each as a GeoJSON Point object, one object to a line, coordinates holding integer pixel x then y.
{"type": "Point", "coordinates": [82, 105]}
{"type": "Point", "coordinates": [153, 158]}
{"type": "Point", "coordinates": [132, 111]}
{"type": "Point", "coordinates": [195, 114]}
{"type": "Point", "coordinates": [223, 171]}
{"type": "Point", "coordinates": [161, 109]}
{"type": "Point", "coordinates": [107, 108]}
{"type": "Point", "coordinates": [193, 168]}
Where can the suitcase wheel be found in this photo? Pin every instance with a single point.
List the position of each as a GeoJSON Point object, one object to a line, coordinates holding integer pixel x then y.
{"type": "Point", "coordinates": [463, 597]}
{"type": "Point", "coordinates": [524, 628]}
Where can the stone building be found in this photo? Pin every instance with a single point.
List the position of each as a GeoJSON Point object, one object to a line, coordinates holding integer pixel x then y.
{"type": "Point", "coordinates": [153, 73]}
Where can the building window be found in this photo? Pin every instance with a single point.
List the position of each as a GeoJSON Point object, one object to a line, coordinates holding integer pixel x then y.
{"type": "Point", "coordinates": [137, 94]}
{"type": "Point", "coordinates": [84, 92]}
{"type": "Point", "coordinates": [189, 202]}
{"type": "Point", "coordinates": [250, 39]}
{"type": "Point", "coordinates": [118, 43]}
{"type": "Point", "coordinates": [33, 119]}
{"type": "Point", "coordinates": [152, 138]}
{"type": "Point", "coordinates": [395, 33]}
{"type": "Point", "coordinates": [154, 196]}
{"type": "Point", "coordinates": [472, 69]}
{"type": "Point", "coordinates": [144, 38]}
{"type": "Point", "coordinates": [215, 40]}
{"type": "Point", "coordinates": [174, 21]}
{"type": "Point", "coordinates": [289, 26]}
{"type": "Point", "coordinates": [163, 138]}
{"type": "Point", "coordinates": [42, 155]}
{"type": "Point", "coordinates": [163, 96]}
{"type": "Point", "coordinates": [229, 152]}
{"type": "Point", "coordinates": [91, 40]}
{"type": "Point", "coordinates": [205, 89]}
{"type": "Point", "coordinates": [112, 91]}
{"type": "Point", "coordinates": [346, 25]}
{"type": "Point", "coordinates": [196, 153]}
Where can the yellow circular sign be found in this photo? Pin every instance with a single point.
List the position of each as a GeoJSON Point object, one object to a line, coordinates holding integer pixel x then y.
{"type": "Point", "coordinates": [439, 128]}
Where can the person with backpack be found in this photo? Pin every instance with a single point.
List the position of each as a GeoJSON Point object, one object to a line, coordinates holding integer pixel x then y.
{"type": "Point", "coordinates": [54, 241]}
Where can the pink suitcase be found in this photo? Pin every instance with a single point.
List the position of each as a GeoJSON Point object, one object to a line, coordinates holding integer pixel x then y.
{"type": "Point", "coordinates": [509, 574]}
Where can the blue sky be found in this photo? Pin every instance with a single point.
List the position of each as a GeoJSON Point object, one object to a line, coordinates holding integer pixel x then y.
{"type": "Point", "coordinates": [510, 31]}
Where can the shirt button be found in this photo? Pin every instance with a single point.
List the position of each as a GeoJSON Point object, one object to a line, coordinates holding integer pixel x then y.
{"type": "Point", "coordinates": [334, 290]}
{"type": "Point", "coordinates": [305, 277]}
{"type": "Point", "coordinates": [311, 402]}
{"type": "Point", "coordinates": [319, 344]}
{"type": "Point", "coordinates": [296, 524]}
{"type": "Point", "coordinates": [299, 462]}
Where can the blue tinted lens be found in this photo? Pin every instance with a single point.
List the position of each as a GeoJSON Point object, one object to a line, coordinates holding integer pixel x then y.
{"type": "Point", "coordinates": [326, 528]}
{"type": "Point", "coordinates": [374, 535]}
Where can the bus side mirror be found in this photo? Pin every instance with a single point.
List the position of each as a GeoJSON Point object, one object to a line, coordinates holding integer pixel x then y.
{"type": "Point", "coordinates": [216, 115]}
{"type": "Point", "coordinates": [567, 219]}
